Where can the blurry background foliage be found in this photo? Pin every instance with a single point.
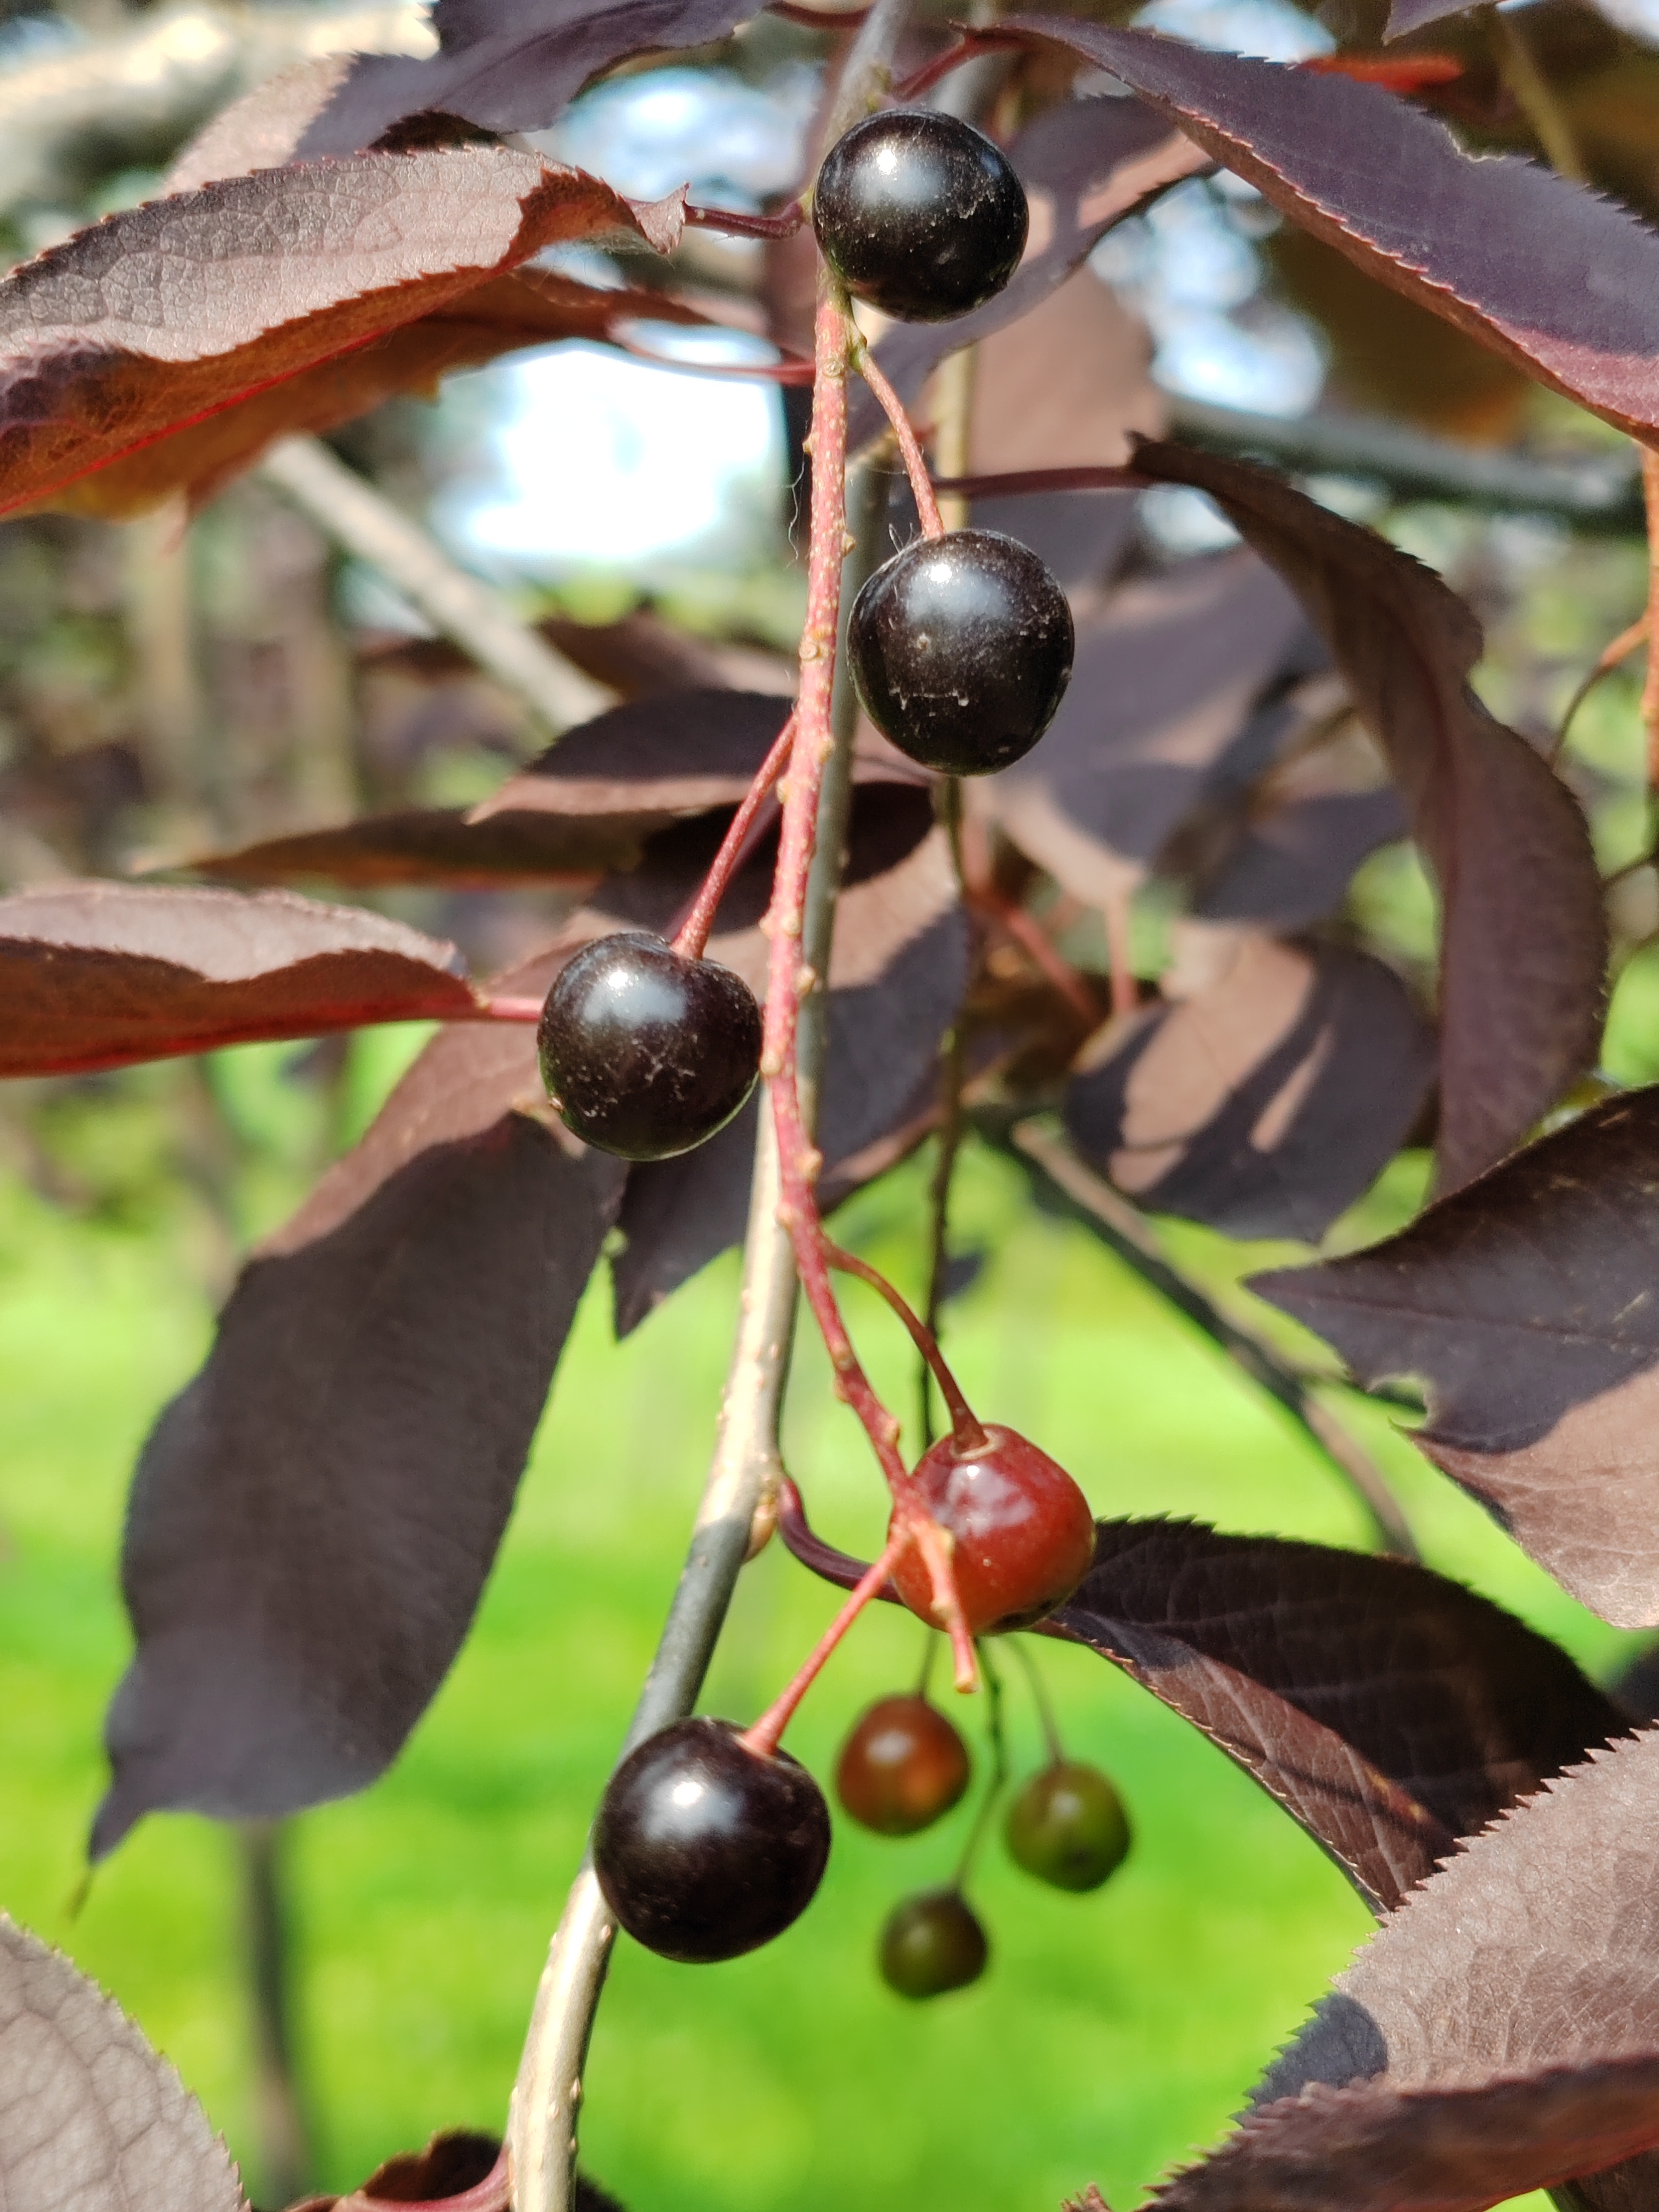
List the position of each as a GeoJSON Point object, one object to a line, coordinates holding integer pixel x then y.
{"type": "Point", "coordinates": [163, 693]}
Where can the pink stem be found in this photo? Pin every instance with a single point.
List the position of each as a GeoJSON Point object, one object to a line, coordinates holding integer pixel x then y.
{"type": "Point", "coordinates": [788, 979]}
{"type": "Point", "coordinates": [738, 842]}
{"type": "Point", "coordinates": [511, 1010]}
{"type": "Point", "coordinates": [965, 1427]}
{"type": "Point", "coordinates": [921, 484]}
{"type": "Point", "coordinates": [1027, 933]}
{"type": "Point", "coordinates": [789, 371]}
{"type": "Point", "coordinates": [974, 42]}
{"type": "Point", "coordinates": [784, 224]}
{"type": "Point", "coordinates": [762, 1738]}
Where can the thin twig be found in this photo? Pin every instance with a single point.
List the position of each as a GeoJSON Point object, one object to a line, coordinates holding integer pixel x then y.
{"type": "Point", "coordinates": [953, 415]}
{"type": "Point", "coordinates": [998, 1776]}
{"type": "Point", "coordinates": [1621, 649]}
{"type": "Point", "coordinates": [1041, 1700]}
{"type": "Point", "coordinates": [747, 825]}
{"type": "Point", "coordinates": [746, 1472]}
{"type": "Point", "coordinates": [365, 522]}
{"type": "Point", "coordinates": [969, 1432]}
{"type": "Point", "coordinates": [954, 1070]}
{"type": "Point", "coordinates": [909, 445]}
{"type": "Point", "coordinates": [1050, 1161]}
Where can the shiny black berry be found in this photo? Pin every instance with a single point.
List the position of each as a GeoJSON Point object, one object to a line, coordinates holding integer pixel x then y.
{"type": "Point", "coordinates": [645, 1054]}
{"type": "Point", "coordinates": [932, 1943]}
{"type": "Point", "coordinates": [1067, 1826]}
{"type": "Point", "coordinates": [705, 1849]}
{"type": "Point", "coordinates": [919, 214]}
{"type": "Point", "coordinates": [961, 649]}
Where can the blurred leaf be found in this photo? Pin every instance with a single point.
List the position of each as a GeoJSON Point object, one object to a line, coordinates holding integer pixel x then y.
{"type": "Point", "coordinates": [1265, 1100]}
{"type": "Point", "coordinates": [440, 845]}
{"type": "Point", "coordinates": [89, 2115]}
{"type": "Point", "coordinates": [1523, 1306]}
{"type": "Point", "coordinates": [98, 975]}
{"type": "Point", "coordinates": [1523, 937]}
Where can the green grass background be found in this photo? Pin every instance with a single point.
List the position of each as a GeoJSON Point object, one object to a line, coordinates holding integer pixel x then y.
{"type": "Point", "coordinates": [1114, 2032]}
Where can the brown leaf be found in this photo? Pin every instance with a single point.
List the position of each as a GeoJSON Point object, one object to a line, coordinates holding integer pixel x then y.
{"type": "Point", "coordinates": [1086, 164]}
{"type": "Point", "coordinates": [1387, 1709]}
{"type": "Point", "coordinates": [1555, 279]}
{"type": "Point", "coordinates": [1268, 1097]}
{"type": "Point", "coordinates": [1524, 938]}
{"type": "Point", "coordinates": [313, 1516]}
{"type": "Point", "coordinates": [1374, 2148]}
{"type": "Point", "coordinates": [1532, 1959]}
{"type": "Point", "coordinates": [89, 2115]}
{"type": "Point", "coordinates": [98, 975]}
{"type": "Point", "coordinates": [510, 64]}
{"type": "Point", "coordinates": [169, 313]}
{"type": "Point", "coordinates": [438, 845]}
{"type": "Point", "coordinates": [674, 754]}
{"type": "Point", "coordinates": [1065, 385]}
{"type": "Point", "coordinates": [1523, 1307]}
{"type": "Point", "coordinates": [1176, 694]}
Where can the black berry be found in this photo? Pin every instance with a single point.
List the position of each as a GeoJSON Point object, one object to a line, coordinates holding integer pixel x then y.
{"type": "Point", "coordinates": [705, 1849]}
{"type": "Point", "coordinates": [903, 1767]}
{"type": "Point", "coordinates": [961, 649]}
{"type": "Point", "coordinates": [919, 214]}
{"type": "Point", "coordinates": [645, 1054]}
{"type": "Point", "coordinates": [1067, 1826]}
{"type": "Point", "coordinates": [932, 1943]}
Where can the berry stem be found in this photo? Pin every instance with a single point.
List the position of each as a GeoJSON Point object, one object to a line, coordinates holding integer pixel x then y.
{"type": "Point", "coordinates": [969, 1432]}
{"type": "Point", "coordinates": [909, 445]}
{"type": "Point", "coordinates": [1044, 1703]}
{"type": "Point", "coordinates": [784, 224]}
{"type": "Point", "coordinates": [790, 977]}
{"type": "Point", "coordinates": [999, 1742]}
{"type": "Point", "coordinates": [737, 845]}
{"type": "Point", "coordinates": [511, 1010]}
{"type": "Point", "coordinates": [764, 1737]}
{"type": "Point", "coordinates": [972, 45]}
{"type": "Point", "coordinates": [954, 1071]}
{"type": "Point", "coordinates": [1005, 485]}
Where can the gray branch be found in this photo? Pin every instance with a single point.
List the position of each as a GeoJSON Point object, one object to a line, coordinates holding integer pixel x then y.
{"type": "Point", "coordinates": [1600, 494]}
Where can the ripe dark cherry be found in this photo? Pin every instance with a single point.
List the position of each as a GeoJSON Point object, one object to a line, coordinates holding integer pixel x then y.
{"type": "Point", "coordinates": [961, 648]}
{"type": "Point", "coordinates": [705, 1849]}
{"type": "Point", "coordinates": [932, 1943]}
{"type": "Point", "coordinates": [919, 214]}
{"type": "Point", "coordinates": [1025, 1537]}
{"type": "Point", "coordinates": [903, 1767]}
{"type": "Point", "coordinates": [1068, 1826]}
{"type": "Point", "coordinates": [645, 1054]}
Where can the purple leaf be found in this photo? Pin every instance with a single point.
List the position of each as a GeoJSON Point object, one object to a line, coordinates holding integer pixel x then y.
{"type": "Point", "coordinates": [99, 974]}
{"type": "Point", "coordinates": [1523, 1307]}
{"type": "Point", "coordinates": [1520, 1985]}
{"type": "Point", "coordinates": [1523, 939]}
{"type": "Point", "coordinates": [509, 65]}
{"type": "Point", "coordinates": [1557, 280]}
{"type": "Point", "coordinates": [313, 1516]}
{"type": "Point", "coordinates": [89, 2115]}
{"type": "Point", "coordinates": [1267, 1099]}
{"type": "Point", "coordinates": [440, 845]}
{"type": "Point", "coordinates": [1294, 862]}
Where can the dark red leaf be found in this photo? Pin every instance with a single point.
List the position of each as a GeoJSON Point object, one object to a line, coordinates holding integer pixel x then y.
{"type": "Point", "coordinates": [1562, 282]}
{"type": "Point", "coordinates": [1177, 697]}
{"type": "Point", "coordinates": [92, 2116]}
{"type": "Point", "coordinates": [97, 975]}
{"type": "Point", "coordinates": [440, 845]}
{"type": "Point", "coordinates": [1523, 939]}
{"type": "Point", "coordinates": [313, 1518]}
{"type": "Point", "coordinates": [1524, 1306]}
{"type": "Point", "coordinates": [1295, 861]}
{"type": "Point", "coordinates": [897, 975]}
{"type": "Point", "coordinates": [1084, 165]}
{"type": "Point", "coordinates": [1531, 1961]}
{"type": "Point", "coordinates": [219, 319]}
{"type": "Point", "coordinates": [1374, 2148]}
{"type": "Point", "coordinates": [674, 754]}
{"type": "Point", "coordinates": [510, 64]}
{"type": "Point", "coordinates": [1268, 1098]}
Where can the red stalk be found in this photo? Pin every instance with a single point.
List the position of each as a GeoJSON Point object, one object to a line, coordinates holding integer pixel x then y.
{"type": "Point", "coordinates": [921, 484]}
{"type": "Point", "coordinates": [964, 1425]}
{"type": "Point", "coordinates": [738, 842]}
{"type": "Point", "coordinates": [763, 1736]}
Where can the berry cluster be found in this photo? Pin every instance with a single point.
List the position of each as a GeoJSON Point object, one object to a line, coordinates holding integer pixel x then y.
{"type": "Point", "coordinates": [711, 1839]}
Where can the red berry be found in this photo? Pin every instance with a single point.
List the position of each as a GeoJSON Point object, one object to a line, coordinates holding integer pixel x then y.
{"type": "Point", "coordinates": [1024, 1536]}
{"type": "Point", "coordinates": [903, 1767]}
